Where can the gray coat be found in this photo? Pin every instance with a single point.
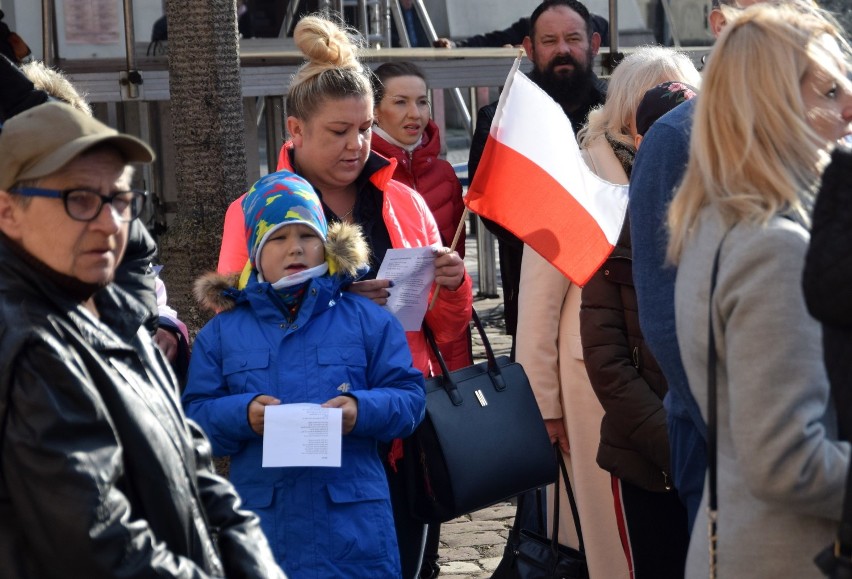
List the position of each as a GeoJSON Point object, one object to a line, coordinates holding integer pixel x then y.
{"type": "Point", "coordinates": [782, 471]}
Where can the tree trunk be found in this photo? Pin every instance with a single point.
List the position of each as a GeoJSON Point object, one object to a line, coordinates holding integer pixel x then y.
{"type": "Point", "coordinates": [207, 125]}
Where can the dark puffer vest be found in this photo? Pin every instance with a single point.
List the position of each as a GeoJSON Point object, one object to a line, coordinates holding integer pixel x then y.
{"type": "Point", "coordinates": [625, 376]}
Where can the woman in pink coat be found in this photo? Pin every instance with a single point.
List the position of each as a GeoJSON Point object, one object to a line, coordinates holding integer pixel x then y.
{"type": "Point", "coordinates": [403, 130]}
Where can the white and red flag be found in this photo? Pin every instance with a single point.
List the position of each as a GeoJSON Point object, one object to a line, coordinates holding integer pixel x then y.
{"type": "Point", "coordinates": [532, 181]}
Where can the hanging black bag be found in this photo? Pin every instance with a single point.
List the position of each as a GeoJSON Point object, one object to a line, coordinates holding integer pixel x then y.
{"type": "Point", "coordinates": [483, 439]}
{"type": "Point", "coordinates": [529, 555]}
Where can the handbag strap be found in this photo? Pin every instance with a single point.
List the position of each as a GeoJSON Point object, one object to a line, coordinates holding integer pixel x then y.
{"type": "Point", "coordinates": [493, 368]}
{"type": "Point", "coordinates": [575, 514]}
{"type": "Point", "coordinates": [554, 534]}
{"type": "Point", "coordinates": [712, 415]}
{"type": "Point", "coordinates": [489, 351]}
{"type": "Point", "coordinates": [430, 338]}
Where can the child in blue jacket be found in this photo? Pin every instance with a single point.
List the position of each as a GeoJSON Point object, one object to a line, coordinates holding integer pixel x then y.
{"type": "Point", "coordinates": [288, 333]}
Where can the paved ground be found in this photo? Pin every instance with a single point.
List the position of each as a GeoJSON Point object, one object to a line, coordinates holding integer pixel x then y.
{"type": "Point", "coordinates": [471, 546]}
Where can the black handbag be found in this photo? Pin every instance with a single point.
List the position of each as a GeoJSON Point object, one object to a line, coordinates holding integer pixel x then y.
{"type": "Point", "coordinates": [529, 555]}
{"type": "Point", "coordinates": [483, 439]}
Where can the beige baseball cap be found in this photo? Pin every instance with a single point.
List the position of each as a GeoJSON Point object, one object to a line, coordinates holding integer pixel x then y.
{"type": "Point", "coordinates": [45, 138]}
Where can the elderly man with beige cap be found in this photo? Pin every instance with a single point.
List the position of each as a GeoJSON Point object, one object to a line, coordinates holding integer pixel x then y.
{"type": "Point", "coordinates": [101, 475]}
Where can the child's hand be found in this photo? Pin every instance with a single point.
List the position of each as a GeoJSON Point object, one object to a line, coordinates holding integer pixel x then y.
{"type": "Point", "coordinates": [256, 409]}
{"type": "Point", "coordinates": [168, 343]}
{"type": "Point", "coordinates": [372, 289]}
{"type": "Point", "coordinates": [449, 268]}
{"type": "Point", "coordinates": [350, 410]}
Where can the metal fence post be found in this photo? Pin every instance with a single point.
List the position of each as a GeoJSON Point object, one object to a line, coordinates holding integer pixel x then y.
{"type": "Point", "coordinates": [486, 261]}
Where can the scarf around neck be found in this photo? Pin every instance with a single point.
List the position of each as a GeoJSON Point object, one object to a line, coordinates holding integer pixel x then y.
{"type": "Point", "coordinates": [624, 153]}
{"type": "Point", "coordinates": [383, 134]}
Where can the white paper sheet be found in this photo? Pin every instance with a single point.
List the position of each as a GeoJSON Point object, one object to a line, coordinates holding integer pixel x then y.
{"type": "Point", "coordinates": [302, 435]}
{"type": "Point", "coordinates": [412, 271]}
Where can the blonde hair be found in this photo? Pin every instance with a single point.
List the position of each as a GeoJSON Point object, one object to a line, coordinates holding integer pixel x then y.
{"type": "Point", "coordinates": [639, 72]}
{"type": "Point", "coordinates": [332, 70]}
{"type": "Point", "coordinates": [56, 85]}
{"type": "Point", "coordinates": [752, 152]}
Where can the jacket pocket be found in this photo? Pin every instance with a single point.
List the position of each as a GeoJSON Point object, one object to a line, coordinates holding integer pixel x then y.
{"type": "Point", "coordinates": [619, 270]}
{"type": "Point", "coordinates": [248, 366]}
{"type": "Point", "coordinates": [342, 368]}
{"type": "Point", "coordinates": [341, 355]}
{"type": "Point", "coordinates": [359, 517]}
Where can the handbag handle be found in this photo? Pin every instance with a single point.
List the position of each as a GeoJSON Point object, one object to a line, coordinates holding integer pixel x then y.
{"type": "Point", "coordinates": [448, 383]}
{"type": "Point", "coordinates": [554, 544]}
{"type": "Point", "coordinates": [554, 534]}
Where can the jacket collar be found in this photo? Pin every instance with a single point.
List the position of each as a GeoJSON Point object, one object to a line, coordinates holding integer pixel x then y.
{"type": "Point", "coordinates": [430, 144]}
{"type": "Point", "coordinates": [121, 314]}
{"type": "Point", "coordinates": [378, 169]}
{"type": "Point", "coordinates": [322, 294]}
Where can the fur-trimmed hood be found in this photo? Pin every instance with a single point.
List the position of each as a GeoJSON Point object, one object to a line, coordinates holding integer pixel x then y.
{"type": "Point", "coordinates": [346, 252]}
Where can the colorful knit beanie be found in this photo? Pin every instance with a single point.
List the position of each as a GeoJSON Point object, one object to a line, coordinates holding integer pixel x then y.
{"type": "Point", "coordinates": [276, 200]}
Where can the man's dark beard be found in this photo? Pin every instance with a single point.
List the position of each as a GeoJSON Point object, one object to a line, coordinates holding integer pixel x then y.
{"type": "Point", "coordinates": [569, 89]}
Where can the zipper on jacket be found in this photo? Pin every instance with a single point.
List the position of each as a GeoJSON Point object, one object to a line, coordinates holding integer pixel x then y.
{"type": "Point", "coordinates": [667, 481]}
{"type": "Point", "coordinates": [410, 156]}
{"type": "Point", "coordinates": [636, 357]}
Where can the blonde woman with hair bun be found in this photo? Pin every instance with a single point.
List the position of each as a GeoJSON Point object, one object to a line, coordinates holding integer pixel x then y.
{"type": "Point", "coordinates": [775, 100]}
{"type": "Point", "coordinates": [329, 108]}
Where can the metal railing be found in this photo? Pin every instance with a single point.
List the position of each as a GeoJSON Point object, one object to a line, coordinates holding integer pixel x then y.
{"type": "Point", "coordinates": [265, 75]}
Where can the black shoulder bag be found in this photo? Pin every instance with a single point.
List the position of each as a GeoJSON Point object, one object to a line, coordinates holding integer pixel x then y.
{"type": "Point", "coordinates": [528, 555]}
{"type": "Point", "coordinates": [483, 439]}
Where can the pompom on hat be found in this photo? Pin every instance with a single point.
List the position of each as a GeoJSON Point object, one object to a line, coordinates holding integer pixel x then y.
{"type": "Point", "coordinates": [278, 199]}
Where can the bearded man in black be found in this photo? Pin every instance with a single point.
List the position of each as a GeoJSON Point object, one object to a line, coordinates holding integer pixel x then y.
{"type": "Point", "coordinates": [562, 46]}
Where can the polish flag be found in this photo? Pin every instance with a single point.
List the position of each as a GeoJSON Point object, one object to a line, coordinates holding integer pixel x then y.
{"type": "Point", "coordinates": [533, 181]}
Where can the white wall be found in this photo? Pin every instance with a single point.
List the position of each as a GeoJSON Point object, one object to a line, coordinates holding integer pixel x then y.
{"type": "Point", "coordinates": [690, 17]}
{"type": "Point", "coordinates": [469, 17]}
{"type": "Point", "coordinates": [629, 15]}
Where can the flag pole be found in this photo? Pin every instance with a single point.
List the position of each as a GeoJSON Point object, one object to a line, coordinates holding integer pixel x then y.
{"type": "Point", "coordinates": [460, 228]}
{"type": "Point", "coordinates": [456, 237]}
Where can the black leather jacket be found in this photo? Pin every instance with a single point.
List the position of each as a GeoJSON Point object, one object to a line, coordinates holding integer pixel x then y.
{"type": "Point", "coordinates": [101, 475]}
{"type": "Point", "coordinates": [135, 274]}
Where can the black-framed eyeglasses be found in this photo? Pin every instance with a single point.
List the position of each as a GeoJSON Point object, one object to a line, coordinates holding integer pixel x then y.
{"type": "Point", "coordinates": [86, 205]}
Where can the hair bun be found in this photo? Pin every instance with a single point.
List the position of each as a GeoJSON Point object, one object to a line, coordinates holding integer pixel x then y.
{"type": "Point", "coordinates": [325, 43]}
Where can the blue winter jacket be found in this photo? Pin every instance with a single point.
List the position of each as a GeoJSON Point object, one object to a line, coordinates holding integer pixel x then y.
{"type": "Point", "coordinates": [321, 522]}
{"type": "Point", "coordinates": [657, 171]}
